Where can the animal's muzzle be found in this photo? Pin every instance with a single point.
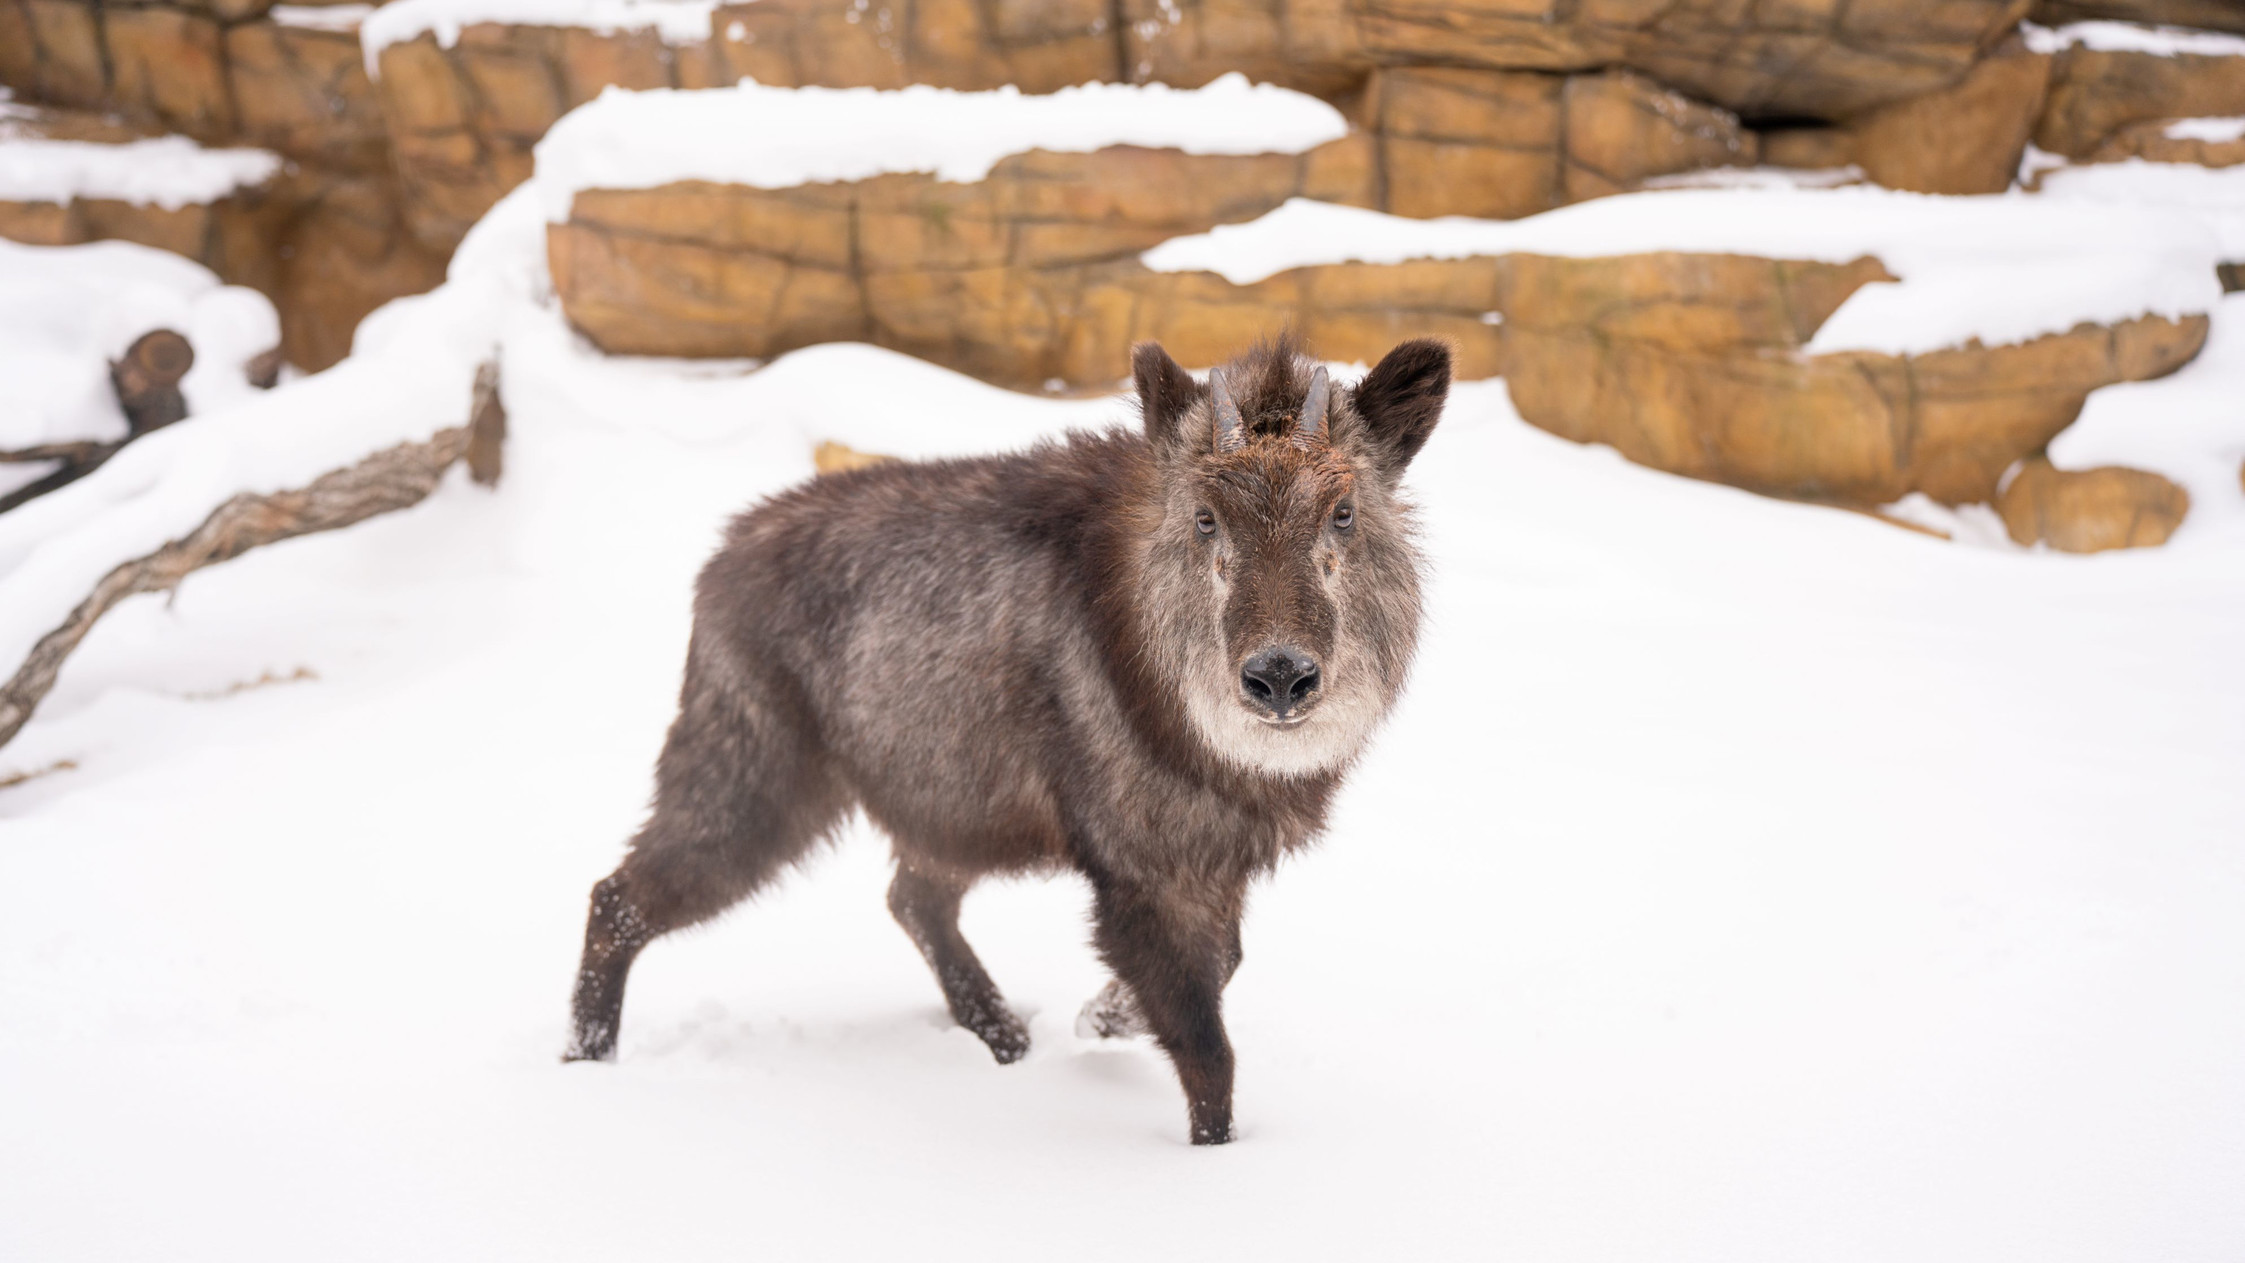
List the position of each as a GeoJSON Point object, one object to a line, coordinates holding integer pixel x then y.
{"type": "Point", "coordinates": [1279, 681]}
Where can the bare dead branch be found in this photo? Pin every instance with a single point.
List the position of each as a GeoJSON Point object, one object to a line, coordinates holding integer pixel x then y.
{"type": "Point", "coordinates": [76, 461]}
{"type": "Point", "coordinates": [487, 427]}
{"type": "Point", "coordinates": [68, 453]}
{"type": "Point", "coordinates": [392, 479]}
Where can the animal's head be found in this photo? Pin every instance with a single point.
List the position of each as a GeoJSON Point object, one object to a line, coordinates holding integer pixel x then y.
{"type": "Point", "coordinates": [1281, 575]}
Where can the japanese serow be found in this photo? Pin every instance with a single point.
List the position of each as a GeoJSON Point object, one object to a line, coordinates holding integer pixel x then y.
{"type": "Point", "coordinates": [1146, 657]}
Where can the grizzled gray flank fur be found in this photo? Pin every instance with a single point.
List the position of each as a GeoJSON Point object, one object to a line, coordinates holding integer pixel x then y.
{"type": "Point", "coordinates": [1146, 657]}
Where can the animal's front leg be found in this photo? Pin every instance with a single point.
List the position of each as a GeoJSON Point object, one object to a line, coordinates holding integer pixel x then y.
{"type": "Point", "coordinates": [1174, 963]}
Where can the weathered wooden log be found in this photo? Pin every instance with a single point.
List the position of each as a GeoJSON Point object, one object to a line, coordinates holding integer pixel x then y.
{"type": "Point", "coordinates": [264, 369]}
{"type": "Point", "coordinates": [147, 380]}
{"type": "Point", "coordinates": [147, 384]}
{"type": "Point", "coordinates": [392, 479]}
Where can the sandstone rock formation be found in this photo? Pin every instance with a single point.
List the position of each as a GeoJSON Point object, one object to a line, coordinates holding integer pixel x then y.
{"type": "Point", "coordinates": [326, 246]}
{"type": "Point", "coordinates": [1817, 59]}
{"type": "Point", "coordinates": [1482, 107]}
{"type": "Point", "coordinates": [462, 120]}
{"type": "Point", "coordinates": [1503, 144]}
{"type": "Point", "coordinates": [2090, 510]}
{"type": "Point", "coordinates": [2212, 15]}
{"type": "Point", "coordinates": [1488, 108]}
{"type": "Point", "coordinates": [927, 263]}
{"type": "Point", "coordinates": [51, 50]}
{"type": "Point", "coordinates": [2094, 94]}
{"type": "Point", "coordinates": [1690, 363]}
{"type": "Point", "coordinates": [303, 91]}
{"type": "Point", "coordinates": [168, 66]}
{"type": "Point", "coordinates": [1965, 138]}
{"type": "Point", "coordinates": [2157, 141]}
{"type": "Point", "coordinates": [1820, 59]}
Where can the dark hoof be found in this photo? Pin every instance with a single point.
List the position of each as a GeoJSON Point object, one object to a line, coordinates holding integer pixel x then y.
{"type": "Point", "coordinates": [1110, 1015]}
{"type": "Point", "coordinates": [1008, 1040]}
{"type": "Point", "coordinates": [1215, 1135]}
{"type": "Point", "coordinates": [591, 1046]}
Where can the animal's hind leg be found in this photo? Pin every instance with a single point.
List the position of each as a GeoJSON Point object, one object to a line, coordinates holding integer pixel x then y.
{"type": "Point", "coordinates": [739, 796]}
{"type": "Point", "coordinates": [928, 909]}
{"type": "Point", "coordinates": [1113, 1014]}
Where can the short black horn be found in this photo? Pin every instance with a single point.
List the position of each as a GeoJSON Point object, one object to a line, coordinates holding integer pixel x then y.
{"type": "Point", "coordinates": [1309, 430]}
{"type": "Point", "coordinates": [1231, 432]}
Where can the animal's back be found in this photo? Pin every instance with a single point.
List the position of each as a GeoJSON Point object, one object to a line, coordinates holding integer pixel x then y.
{"type": "Point", "coordinates": [932, 623]}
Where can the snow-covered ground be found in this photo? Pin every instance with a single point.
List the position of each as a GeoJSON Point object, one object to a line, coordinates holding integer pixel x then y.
{"type": "Point", "coordinates": [1739, 881]}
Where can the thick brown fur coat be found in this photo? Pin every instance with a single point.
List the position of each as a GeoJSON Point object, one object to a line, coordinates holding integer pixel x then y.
{"type": "Point", "coordinates": [1145, 657]}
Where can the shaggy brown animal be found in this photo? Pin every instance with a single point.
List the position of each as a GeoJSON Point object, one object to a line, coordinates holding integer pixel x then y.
{"type": "Point", "coordinates": [1148, 658]}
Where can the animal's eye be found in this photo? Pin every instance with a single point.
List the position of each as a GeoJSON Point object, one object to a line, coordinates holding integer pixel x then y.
{"type": "Point", "coordinates": [1206, 521]}
{"type": "Point", "coordinates": [1343, 516]}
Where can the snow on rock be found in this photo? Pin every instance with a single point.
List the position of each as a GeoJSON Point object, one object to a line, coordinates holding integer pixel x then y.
{"type": "Point", "coordinates": [2132, 37]}
{"type": "Point", "coordinates": [166, 171]}
{"type": "Point", "coordinates": [2188, 427]}
{"type": "Point", "coordinates": [2219, 131]}
{"type": "Point", "coordinates": [1764, 177]}
{"type": "Point", "coordinates": [676, 21]}
{"type": "Point", "coordinates": [411, 373]}
{"type": "Point", "coordinates": [1998, 269]}
{"type": "Point", "coordinates": [67, 311]}
{"type": "Point", "coordinates": [781, 137]}
{"type": "Point", "coordinates": [321, 17]}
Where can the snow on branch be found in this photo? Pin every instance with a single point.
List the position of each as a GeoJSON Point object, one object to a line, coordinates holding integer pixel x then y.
{"type": "Point", "coordinates": [395, 478]}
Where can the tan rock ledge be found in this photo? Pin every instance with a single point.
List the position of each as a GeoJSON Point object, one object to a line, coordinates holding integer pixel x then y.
{"type": "Point", "coordinates": [2090, 510]}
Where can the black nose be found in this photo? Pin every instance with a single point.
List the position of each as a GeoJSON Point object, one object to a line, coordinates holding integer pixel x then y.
{"type": "Point", "coordinates": [1279, 680]}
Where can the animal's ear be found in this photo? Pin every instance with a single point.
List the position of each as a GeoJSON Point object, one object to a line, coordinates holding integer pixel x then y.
{"type": "Point", "coordinates": [1401, 399]}
{"type": "Point", "coordinates": [1165, 393]}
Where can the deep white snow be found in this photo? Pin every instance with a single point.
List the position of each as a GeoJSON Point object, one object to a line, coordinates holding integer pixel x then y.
{"type": "Point", "coordinates": [780, 137]}
{"type": "Point", "coordinates": [1739, 881]}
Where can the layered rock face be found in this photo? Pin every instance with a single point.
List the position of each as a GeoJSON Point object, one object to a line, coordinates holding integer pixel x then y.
{"type": "Point", "coordinates": [1484, 108]}
{"type": "Point", "coordinates": [327, 245]}
{"type": "Point", "coordinates": [1690, 363]}
{"type": "Point", "coordinates": [2211, 15]}
{"type": "Point", "coordinates": [326, 240]}
{"type": "Point", "coordinates": [1496, 86]}
{"type": "Point", "coordinates": [1481, 107]}
{"type": "Point", "coordinates": [1818, 59]}
{"type": "Point", "coordinates": [2100, 96]}
{"type": "Point", "coordinates": [1503, 144]}
{"type": "Point", "coordinates": [2090, 510]}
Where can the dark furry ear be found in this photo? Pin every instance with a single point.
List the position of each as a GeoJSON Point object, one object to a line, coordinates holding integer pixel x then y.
{"type": "Point", "coordinates": [1165, 392]}
{"type": "Point", "coordinates": [1401, 399]}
